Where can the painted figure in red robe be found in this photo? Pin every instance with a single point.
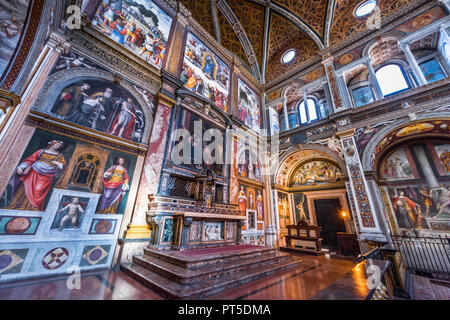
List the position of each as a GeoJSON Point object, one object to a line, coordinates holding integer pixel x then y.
{"type": "Point", "coordinates": [34, 178]}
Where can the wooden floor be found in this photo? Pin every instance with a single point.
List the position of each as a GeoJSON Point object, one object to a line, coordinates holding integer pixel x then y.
{"type": "Point", "coordinates": [316, 275]}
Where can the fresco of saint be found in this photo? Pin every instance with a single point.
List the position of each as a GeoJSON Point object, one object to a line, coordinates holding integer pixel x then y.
{"type": "Point", "coordinates": [116, 183]}
{"type": "Point", "coordinates": [138, 25]}
{"type": "Point", "coordinates": [103, 106]}
{"type": "Point", "coordinates": [34, 177]}
{"type": "Point", "coordinates": [259, 206]}
{"type": "Point", "coordinates": [242, 200]}
{"type": "Point", "coordinates": [204, 73]}
{"type": "Point", "coordinates": [407, 211]}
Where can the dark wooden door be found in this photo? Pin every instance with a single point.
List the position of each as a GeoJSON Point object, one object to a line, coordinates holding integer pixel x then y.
{"type": "Point", "coordinates": [328, 217]}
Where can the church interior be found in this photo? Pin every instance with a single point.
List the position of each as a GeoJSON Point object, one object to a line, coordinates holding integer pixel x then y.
{"type": "Point", "coordinates": [225, 149]}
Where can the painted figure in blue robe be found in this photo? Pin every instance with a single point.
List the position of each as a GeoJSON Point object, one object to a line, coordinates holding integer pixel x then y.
{"type": "Point", "coordinates": [209, 66]}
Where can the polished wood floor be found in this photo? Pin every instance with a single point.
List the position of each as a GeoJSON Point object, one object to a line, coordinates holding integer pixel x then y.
{"type": "Point", "coordinates": [315, 275]}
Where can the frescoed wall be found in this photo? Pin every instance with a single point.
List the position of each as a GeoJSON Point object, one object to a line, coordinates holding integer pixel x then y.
{"type": "Point", "coordinates": [141, 26]}
{"type": "Point", "coordinates": [284, 210]}
{"type": "Point", "coordinates": [204, 73]}
{"type": "Point", "coordinates": [249, 107]}
{"type": "Point", "coordinates": [316, 173]}
{"type": "Point", "coordinates": [251, 201]}
{"type": "Point", "coordinates": [13, 14]}
{"type": "Point", "coordinates": [197, 160]}
{"type": "Point", "coordinates": [301, 207]}
{"type": "Point", "coordinates": [100, 105]}
{"type": "Point", "coordinates": [63, 206]}
{"type": "Point", "coordinates": [57, 162]}
{"type": "Point", "coordinates": [416, 180]}
{"type": "Point", "coordinates": [248, 163]}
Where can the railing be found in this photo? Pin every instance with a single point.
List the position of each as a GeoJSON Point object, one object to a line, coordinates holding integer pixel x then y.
{"type": "Point", "coordinates": [429, 255]}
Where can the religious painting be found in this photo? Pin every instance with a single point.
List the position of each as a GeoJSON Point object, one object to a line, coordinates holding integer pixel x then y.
{"type": "Point", "coordinates": [419, 206]}
{"type": "Point", "coordinates": [116, 183]}
{"type": "Point", "coordinates": [70, 213]}
{"type": "Point", "coordinates": [213, 231]}
{"type": "Point", "coordinates": [399, 165]}
{"type": "Point", "coordinates": [194, 151]}
{"type": "Point", "coordinates": [102, 106]}
{"type": "Point", "coordinates": [441, 127]}
{"type": "Point", "coordinates": [13, 14]}
{"type": "Point", "coordinates": [274, 121]}
{"type": "Point", "coordinates": [423, 203]}
{"type": "Point", "coordinates": [52, 162]}
{"type": "Point", "coordinates": [195, 232]}
{"type": "Point", "coordinates": [231, 230]}
{"type": "Point", "coordinates": [249, 108]}
{"type": "Point", "coordinates": [251, 198]}
{"type": "Point", "coordinates": [441, 157]}
{"type": "Point", "coordinates": [301, 207]}
{"type": "Point", "coordinates": [141, 26]}
{"type": "Point", "coordinates": [316, 173]}
{"type": "Point", "coordinates": [204, 73]}
{"type": "Point", "coordinates": [73, 60]}
{"type": "Point", "coordinates": [284, 211]}
{"type": "Point", "coordinates": [248, 165]}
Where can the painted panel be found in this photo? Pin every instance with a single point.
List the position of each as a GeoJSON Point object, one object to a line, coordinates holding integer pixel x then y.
{"type": "Point", "coordinates": [249, 107]}
{"type": "Point", "coordinates": [139, 25]}
{"type": "Point", "coordinates": [204, 73]}
{"type": "Point", "coordinates": [13, 14]}
{"type": "Point", "coordinates": [57, 162]}
{"type": "Point", "coordinates": [316, 173]}
{"type": "Point", "coordinates": [103, 106]}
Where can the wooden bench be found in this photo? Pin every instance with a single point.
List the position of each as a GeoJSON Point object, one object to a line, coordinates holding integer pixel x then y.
{"type": "Point", "coordinates": [304, 237]}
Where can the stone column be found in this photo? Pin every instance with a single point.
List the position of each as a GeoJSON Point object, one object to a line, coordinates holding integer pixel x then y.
{"type": "Point", "coordinates": [413, 63]}
{"type": "Point", "coordinates": [373, 80]}
{"type": "Point", "coordinates": [15, 135]}
{"type": "Point", "coordinates": [336, 100]}
{"type": "Point", "coordinates": [151, 173]}
{"type": "Point", "coordinates": [366, 215]}
{"type": "Point", "coordinates": [286, 116]}
{"type": "Point", "coordinates": [270, 232]}
{"type": "Point", "coordinates": [138, 231]}
{"type": "Point", "coordinates": [344, 92]}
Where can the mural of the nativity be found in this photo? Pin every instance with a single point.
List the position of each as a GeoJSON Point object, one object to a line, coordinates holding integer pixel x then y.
{"type": "Point", "coordinates": [191, 148]}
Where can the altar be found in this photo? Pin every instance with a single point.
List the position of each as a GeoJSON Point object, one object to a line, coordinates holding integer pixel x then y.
{"type": "Point", "coordinates": [179, 224]}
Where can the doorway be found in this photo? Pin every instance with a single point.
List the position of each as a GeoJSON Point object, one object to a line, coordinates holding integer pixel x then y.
{"type": "Point", "coordinates": [328, 217]}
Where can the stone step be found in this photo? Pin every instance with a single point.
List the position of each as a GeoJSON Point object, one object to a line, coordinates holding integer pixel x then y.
{"type": "Point", "coordinates": [203, 261]}
{"type": "Point", "coordinates": [203, 289]}
{"type": "Point", "coordinates": [183, 275]}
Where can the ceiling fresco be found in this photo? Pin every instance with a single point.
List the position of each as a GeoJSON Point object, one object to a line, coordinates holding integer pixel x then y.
{"type": "Point", "coordinates": [273, 26]}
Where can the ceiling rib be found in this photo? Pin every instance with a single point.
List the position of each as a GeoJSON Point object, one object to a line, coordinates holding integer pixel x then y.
{"type": "Point", "coordinates": [294, 19]}
{"type": "Point", "coordinates": [242, 36]}
{"type": "Point", "coordinates": [330, 15]}
{"type": "Point", "coordinates": [265, 44]}
{"type": "Point", "coordinates": [215, 19]}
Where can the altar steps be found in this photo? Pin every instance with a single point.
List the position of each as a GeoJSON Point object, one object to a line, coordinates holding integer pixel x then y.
{"type": "Point", "coordinates": [175, 279]}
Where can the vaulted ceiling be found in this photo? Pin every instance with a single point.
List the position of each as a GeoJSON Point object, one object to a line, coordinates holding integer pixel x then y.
{"type": "Point", "coordinates": [259, 32]}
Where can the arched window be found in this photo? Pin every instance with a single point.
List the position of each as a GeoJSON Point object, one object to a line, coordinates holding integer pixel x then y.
{"type": "Point", "coordinates": [392, 79]}
{"type": "Point", "coordinates": [308, 113]}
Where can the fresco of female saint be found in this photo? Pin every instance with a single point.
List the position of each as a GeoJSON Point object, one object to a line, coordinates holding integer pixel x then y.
{"type": "Point", "coordinates": [407, 211]}
{"type": "Point", "coordinates": [259, 206]}
{"type": "Point", "coordinates": [242, 200]}
{"type": "Point", "coordinates": [116, 183]}
{"type": "Point", "coordinates": [34, 178]}
{"type": "Point", "coordinates": [124, 122]}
